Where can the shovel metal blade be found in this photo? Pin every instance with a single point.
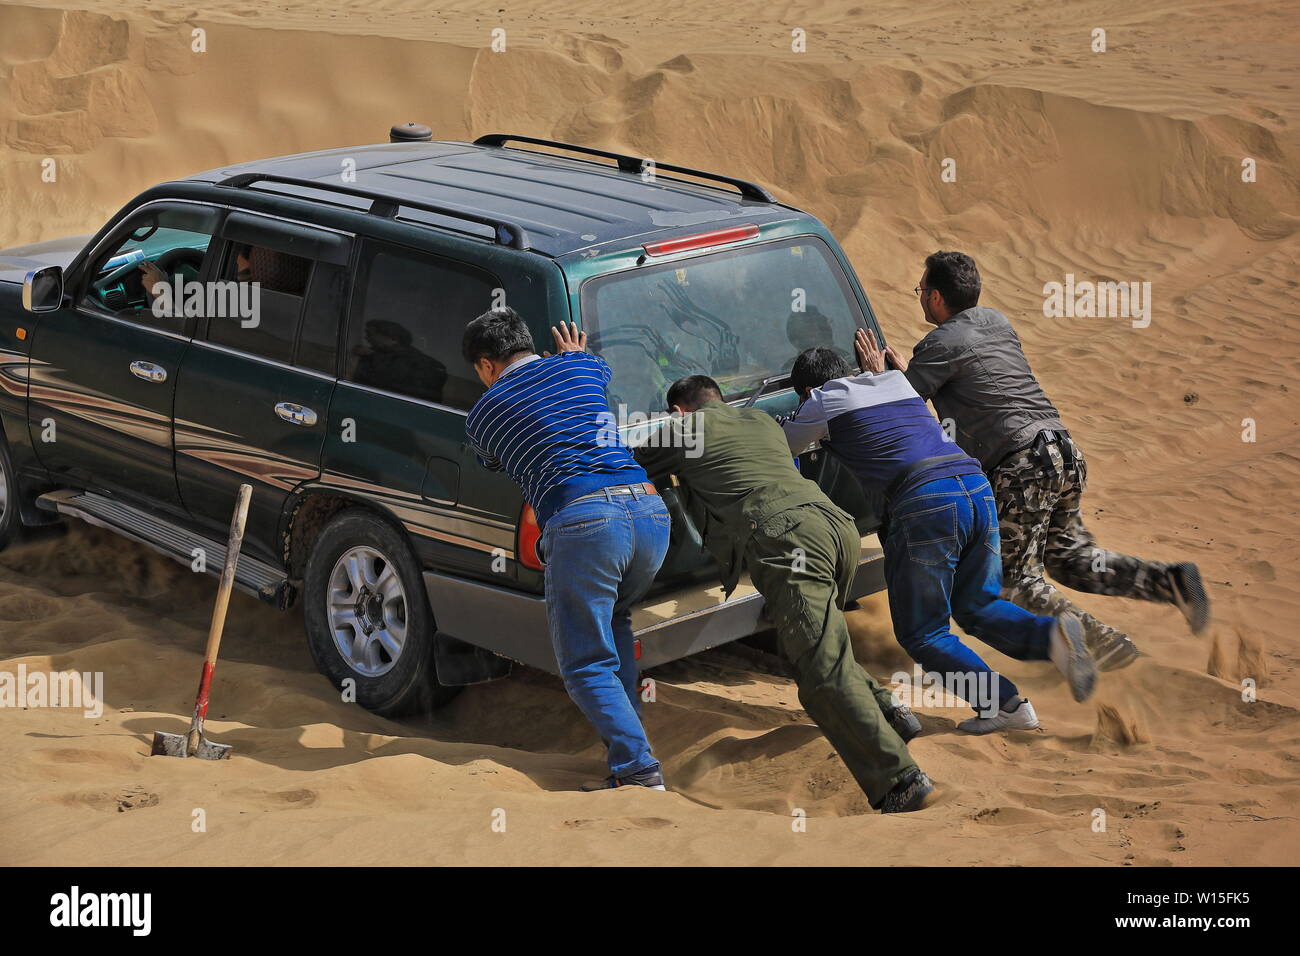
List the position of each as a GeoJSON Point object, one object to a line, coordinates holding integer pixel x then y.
{"type": "Point", "coordinates": [177, 745]}
{"type": "Point", "coordinates": [207, 750]}
{"type": "Point", "coordinates": [170, 745]}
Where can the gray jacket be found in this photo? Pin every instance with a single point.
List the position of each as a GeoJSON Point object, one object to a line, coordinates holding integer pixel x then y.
{"type": "Point", "coordinates": [973, 368]}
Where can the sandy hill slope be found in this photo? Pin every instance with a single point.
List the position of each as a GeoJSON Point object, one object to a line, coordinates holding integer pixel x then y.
{"type": "Point", "coordinates": [1115, 166]}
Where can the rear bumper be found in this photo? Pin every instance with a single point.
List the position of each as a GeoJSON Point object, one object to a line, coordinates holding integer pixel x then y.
{"type": "Point", "coordinates": [669, 626]}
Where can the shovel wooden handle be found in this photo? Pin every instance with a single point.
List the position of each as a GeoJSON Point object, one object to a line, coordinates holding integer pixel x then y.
{"type": "Point", "coordinates": [233, 545]}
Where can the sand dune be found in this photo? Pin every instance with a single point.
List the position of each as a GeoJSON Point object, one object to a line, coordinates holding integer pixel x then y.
{"type": "Point", "coordinates": [1124, 166]}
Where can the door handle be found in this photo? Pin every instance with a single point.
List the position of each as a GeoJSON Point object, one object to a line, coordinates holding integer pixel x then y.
{"type": "Point", "coordinates": [148, 371]}
{"type": "Point", "coordinates": [295, 414]}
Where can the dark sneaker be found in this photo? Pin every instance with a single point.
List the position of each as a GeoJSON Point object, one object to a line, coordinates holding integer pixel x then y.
{"type": "Point", "coordinates": [1070, 654]}
{"type": "Point", "coordinates": [1112, 649]}
{"type": "Point", "coordinates": [904, 722]}
{"type": "Point", "coordinates": [1190, 596]}
{"type": "Point", "coordinates": [909, 795]}
{"type": "Point", "coordinates": [652, 778]}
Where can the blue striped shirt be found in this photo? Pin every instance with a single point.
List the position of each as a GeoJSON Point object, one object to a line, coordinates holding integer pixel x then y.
{"type": "Point", "coordinates": [546, 422]}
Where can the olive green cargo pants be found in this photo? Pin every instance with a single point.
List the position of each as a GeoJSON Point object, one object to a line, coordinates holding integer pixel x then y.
{"type": "Point", "coordinates": [802, 561]}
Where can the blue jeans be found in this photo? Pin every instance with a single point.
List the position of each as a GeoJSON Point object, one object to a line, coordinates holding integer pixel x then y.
{"type": "Point", "coordinates": [943, 560]}
{"type": "Point", "coordinates": [601, 556]}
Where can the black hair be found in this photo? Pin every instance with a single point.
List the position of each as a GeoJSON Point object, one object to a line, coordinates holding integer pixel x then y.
{"type": "Point", "coordinates": [497, 335]}
{"type": "Point", "coordinates": [693, 391]}
{"type": "Point", "coordinates": [804, 328]}
{"type": "Point", "coordinates": [815, 367]}
{"type": "Point", "coordinates": [954, 275]}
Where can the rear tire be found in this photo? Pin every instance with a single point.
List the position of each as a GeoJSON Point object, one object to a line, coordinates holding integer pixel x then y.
{"type": "Point", "coordinates": [368, 619]}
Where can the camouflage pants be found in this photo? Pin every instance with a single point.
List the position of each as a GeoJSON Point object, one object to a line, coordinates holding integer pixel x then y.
{"type": "Point", "coordinates": [1042, 530]}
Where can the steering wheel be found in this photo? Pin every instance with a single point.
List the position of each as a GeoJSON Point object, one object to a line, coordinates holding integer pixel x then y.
{"type": "Point", "coordinates": [173, 260]}
{"type": "Point", "coordinates": [113, 278]}
{"type": "Point", "coordinates": [122, 288]}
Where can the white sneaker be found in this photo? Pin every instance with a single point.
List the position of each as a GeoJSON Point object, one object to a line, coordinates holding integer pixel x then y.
{"type": "Point", "coordinates": [1069, 652]}
{"type": "Point", "coordinates": [1022, 718]}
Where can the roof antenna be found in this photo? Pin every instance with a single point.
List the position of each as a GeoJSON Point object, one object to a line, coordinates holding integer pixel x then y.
{"type": "Point", "coordinates": [410, 133]}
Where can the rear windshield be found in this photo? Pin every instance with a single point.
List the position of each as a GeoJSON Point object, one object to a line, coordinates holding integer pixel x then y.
{"type": "Point", "coordinates": [739, 316]}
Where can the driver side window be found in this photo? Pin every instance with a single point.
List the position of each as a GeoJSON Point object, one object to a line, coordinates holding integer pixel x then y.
{"type": "Point", "coordinates": [148, 273]}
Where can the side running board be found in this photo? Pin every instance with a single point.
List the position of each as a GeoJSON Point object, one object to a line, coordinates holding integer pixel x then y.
{"type": "Point", "coordinates": [252, 576]}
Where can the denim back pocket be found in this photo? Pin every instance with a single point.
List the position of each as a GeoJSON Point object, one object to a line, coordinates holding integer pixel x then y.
{"type": "Point", "coordinates": [992, 536]}
{"type": "Point", "coordinates": [581, 528]}
{"type": "Point", "coordinates": [931, 534]}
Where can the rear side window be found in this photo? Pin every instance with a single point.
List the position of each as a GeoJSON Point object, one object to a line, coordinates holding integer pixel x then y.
{"type": "Point", "coordinates": [282, 288]}
{"type": "Point", "coordinates": [282, 291]}
{"type": "Point", "coordinates": [405, 332]}
{"type": "Point", "coordinates": [318, 339]}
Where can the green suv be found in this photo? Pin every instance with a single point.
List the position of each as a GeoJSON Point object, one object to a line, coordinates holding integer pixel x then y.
{"type": "Point", "coordinates": [309, 346]}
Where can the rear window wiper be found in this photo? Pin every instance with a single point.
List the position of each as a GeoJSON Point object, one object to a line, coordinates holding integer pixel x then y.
{"type": "Point", "coordinates": [773, 384]}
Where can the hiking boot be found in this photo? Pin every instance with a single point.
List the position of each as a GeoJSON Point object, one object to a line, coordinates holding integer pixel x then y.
{"type": "Point", "coordinates": [1070, 655]}
{"type": "Point", "coordinates": [1189, 595]}
{"type": "Point", "coordinates": [904, 722]}
{"type": "Point", "coordinates": [1022, 718]}
{"type": "Point", "coordinates": [908, 795]}
{"type": "Point", "coordinates": [652, 778]}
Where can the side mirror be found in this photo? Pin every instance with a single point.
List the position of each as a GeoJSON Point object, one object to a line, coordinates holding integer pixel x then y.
{"type": "Point", "coordinates": [43, 289]}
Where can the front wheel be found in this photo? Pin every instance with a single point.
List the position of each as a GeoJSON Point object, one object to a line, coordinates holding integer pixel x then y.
{"type": "Point", "coordinates": [10, 523]}
{"type": "Point", "coordinates": [368, 619]}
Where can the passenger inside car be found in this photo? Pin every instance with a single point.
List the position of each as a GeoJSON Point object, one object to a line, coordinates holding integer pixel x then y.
{"type": "Point", "coordinates": [278, 286]}
{"type": "Point", "coordinates": [390, 361]}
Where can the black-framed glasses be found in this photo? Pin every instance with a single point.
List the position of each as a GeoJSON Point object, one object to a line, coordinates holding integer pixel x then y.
{"type": "Point", "coordinates": [919, 289]}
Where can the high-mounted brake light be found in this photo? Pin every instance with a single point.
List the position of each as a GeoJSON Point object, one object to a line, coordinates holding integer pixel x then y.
{"type": "Point", "coordinates": [526, 539]}
{"type": "Point", "coordinates": [701, 240]}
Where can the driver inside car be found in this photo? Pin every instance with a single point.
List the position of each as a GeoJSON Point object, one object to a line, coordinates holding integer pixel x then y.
{"type": "Point", "coordinates": [151, 276]}
{"type": "Point", "coordinates": [273, 270]}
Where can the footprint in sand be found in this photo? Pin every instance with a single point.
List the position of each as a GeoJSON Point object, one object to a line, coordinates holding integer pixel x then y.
{"type": "Point", "coordinates": [650, 823]}
{"type": "Point", "coordinates": [275, 799]}
{"type": "Point", "coordinates": [27, 607]}
{"type": "Point", "coordinates": [85, 757]}
{"type": "Point", "coordinates": [630, 823]}
{"type": "Point", "coordinates": [293, 798]}
{"type": "Point", "coordinates": [132, 798]}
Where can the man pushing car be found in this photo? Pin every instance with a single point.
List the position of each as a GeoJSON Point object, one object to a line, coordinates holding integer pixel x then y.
{"type": "Point", "coordinates": [801, 551]}
{"type": "Point", "coordinates": [942, 553]}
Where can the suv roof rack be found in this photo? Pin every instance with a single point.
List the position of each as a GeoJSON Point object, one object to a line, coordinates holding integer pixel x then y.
{"type": "Point", "coordinates": [633, 164]}
{"type": "Point", "coordinates": [507, 233]}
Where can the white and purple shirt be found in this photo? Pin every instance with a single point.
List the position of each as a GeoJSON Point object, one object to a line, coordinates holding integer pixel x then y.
{"type": "Point", "coordinates": [881, 427]}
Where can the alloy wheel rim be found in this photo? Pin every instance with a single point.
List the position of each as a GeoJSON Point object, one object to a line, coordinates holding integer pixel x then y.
{"type": "Point", "coordinates": [367, 610]}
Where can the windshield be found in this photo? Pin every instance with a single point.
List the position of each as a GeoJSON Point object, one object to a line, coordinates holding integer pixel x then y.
{"type": "Point", "coordinates": [739, 316]}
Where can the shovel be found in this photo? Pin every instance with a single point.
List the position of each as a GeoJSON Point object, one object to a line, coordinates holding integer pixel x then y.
{"type": "Point", "coordinates": [194, 744]}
